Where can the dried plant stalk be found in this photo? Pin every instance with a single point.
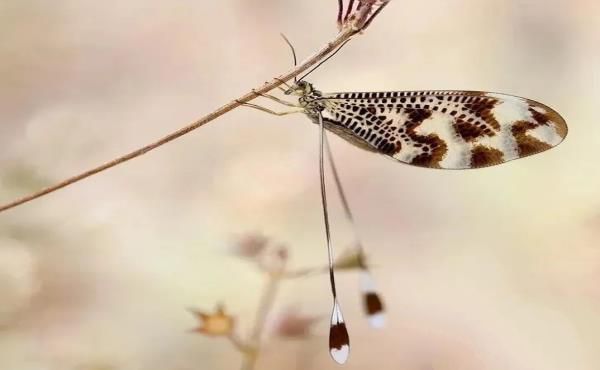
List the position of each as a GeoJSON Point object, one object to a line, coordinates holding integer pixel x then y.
{"type": "Point", "coordinates": [271, 261]}
{"type": "Point", "coordinates": [352, 25]}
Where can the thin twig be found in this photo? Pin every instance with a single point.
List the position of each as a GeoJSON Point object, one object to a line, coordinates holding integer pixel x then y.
{"type": "Point", "coordinates": [349, 10]}
{"type": "Point", "coordinates": [343, 36]}
{"type": "Point", "coordinates": [375, 14]}
{"type": "Point", "coordinates": [306, 272]}
{"type": "Point", "coordinates": [340, 13]}
{"type": "Point", "coordinates": [350, 27]}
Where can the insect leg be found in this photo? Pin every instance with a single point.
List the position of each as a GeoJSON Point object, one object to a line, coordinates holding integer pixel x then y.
{"type": "Point", "coordinates": [267, 110]}
{"type": "Point", "coordinates": [280, 101]}
{"type": "Point", "coordinates": [283, 83]}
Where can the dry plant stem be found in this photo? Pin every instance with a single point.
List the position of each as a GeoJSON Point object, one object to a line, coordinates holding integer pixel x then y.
{"type": "Point", "coordinates": [340, 12]}
{"type": "Point", "coordinates": [307, 272]}
{"type": "Point", "coordinates": [342, 37]}
{"type": "Point", "coordinates": [237, 343]}
{"type": "Point", "coordinates": [266, 303]}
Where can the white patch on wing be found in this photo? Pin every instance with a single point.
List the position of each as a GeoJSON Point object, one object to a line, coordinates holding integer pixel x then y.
{"type": "Point", "coordinates": [504, 141]}
{"type": "Point", "coordinates": [546, 134]}
{"type": "Point", "coordinates": [539, 109]}
{"type": "Point", "coordinates": [510, 109]}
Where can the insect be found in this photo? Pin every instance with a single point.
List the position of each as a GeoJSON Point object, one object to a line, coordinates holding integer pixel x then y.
{"type": "Point", "coordinates": [443, 129]}
{"type": "Point", "coordinates": [434, 129]}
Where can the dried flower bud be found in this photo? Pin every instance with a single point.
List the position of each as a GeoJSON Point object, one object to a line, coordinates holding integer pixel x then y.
{"type": "Point", "coordinates": [274, 260]}
{"type": "Point", "coordinates": [359, 17]}
{"type": "Point", "coordinates": [292, 324]}
{"type": "Point", "coordinates": [283, 253]}
{"type": "Point", "coordinates": [250, 245]}
{"type": "Point", "coordinates": [214, 324]}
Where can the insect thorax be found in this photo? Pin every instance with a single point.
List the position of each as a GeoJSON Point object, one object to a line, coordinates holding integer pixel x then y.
{"type": "Point", "coordinates": [310, 99]}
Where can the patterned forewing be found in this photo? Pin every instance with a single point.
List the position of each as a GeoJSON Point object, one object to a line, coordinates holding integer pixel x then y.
{"type": "Point", "coordinates": [444, 129]}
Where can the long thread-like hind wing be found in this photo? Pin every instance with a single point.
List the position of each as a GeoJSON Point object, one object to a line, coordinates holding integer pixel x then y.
{"type": "Point", "coordinates": [444, 129]}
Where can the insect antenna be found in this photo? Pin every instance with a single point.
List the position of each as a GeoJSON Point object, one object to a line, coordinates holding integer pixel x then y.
{"type": "Point", "coordinates": [323, 61]}
{"type": "Point", "coordinates": [372, 303]}
{"type": "Point", "coordinates": [287, 41]}
{"type": "Point", "coordinates": [339, 341]}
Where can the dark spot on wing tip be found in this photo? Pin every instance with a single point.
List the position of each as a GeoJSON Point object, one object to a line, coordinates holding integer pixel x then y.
{"type": "Point", "coordinates": [560, 125]}
{"type": "Point", "coordinates": [483, 156]}
{"type": "Point", "coordinates": [540, 118]}
{"type": "Point", "coordinates": [338, 336]}
{"type": "Point", "coordinates": [373, 304]}
{"type": "Point", "coordinates": [550, 116]}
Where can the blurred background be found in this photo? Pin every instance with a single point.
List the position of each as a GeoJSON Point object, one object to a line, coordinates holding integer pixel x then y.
{"type": "Point", "coordinates": [490, 269]}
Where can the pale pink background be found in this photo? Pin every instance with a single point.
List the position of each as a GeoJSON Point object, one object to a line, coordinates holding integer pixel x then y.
{"type": "Point", "coordinates": [492, 269]}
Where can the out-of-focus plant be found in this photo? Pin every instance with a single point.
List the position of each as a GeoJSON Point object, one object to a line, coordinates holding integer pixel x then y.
{"type": "Point", "coordinates": [271, 260]}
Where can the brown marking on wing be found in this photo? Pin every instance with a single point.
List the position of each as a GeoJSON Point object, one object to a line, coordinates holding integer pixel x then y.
{"type": "Point", "coordinates": [559, 123]}
{"type": "Point", "coordinates": [434, 149]}
{"type": "Point", "coordinates": [338, 336]}
{"type": "Point", "coordinates": [483, 108]}
{"type": "Point", "coordinates": [540, 118]}
{"type": "Point", "coordinates": [478, 121]}
{"type": "Point", "coordinates": [373, 304]}
{"type": "Point", "coordinates": [468, 131]}
{"type": "Point", "coordinates": [549, 117]}
{"type": "Point", "coordinates": [417, 116]}
{"type": "Point", "coordinates": [483, 156]}
{"type": "Point", "coordinates": [433, 156]}
{"type": "Point", "coordinates": [527, 145]}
